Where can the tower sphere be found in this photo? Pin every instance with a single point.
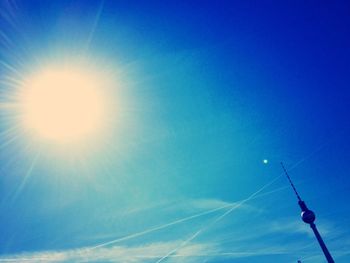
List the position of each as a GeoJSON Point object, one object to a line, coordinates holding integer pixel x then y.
{"type": "Point", "coordinates": [308, 216]}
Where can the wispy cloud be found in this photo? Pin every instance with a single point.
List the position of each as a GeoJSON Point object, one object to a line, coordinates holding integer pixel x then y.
{"type": "Point", "coordinates": [116, 251]}
{"type": "Point", "coordinates": [207, 240]}
{"type": "Point", "coordinates": [192, 253]}
{"type": "Point", "coordinates": [134, 254]}
{"type": "Point", "coordinates": [210, 203]}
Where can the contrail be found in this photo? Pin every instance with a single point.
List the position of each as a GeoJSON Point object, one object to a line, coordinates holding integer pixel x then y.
{"type": "Point", "coordinates": [235, 206]}
{"type": "Point", "coordinates": [318, 149]}
{"type": "Point", "coordinates": [252, 196]}
{"type": "Point", "coordinates": [160, 227]}
{"type": "Point", "coordinates": [232, 206]}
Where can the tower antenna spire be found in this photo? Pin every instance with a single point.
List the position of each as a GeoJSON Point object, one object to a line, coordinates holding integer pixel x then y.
{"type": "Point", "coordinates": [309, 217]}
{"type": "Point", "coordinates": [291, 183]}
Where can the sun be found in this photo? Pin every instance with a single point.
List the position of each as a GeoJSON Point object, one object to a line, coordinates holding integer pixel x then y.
{"type": "Point", "coordinates": [63, 104]}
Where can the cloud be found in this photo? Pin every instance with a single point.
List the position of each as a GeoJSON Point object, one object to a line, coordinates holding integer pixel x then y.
{"type": "Point", "coordinates": [204, 204]}
{"type": "Point", "coordinates": [123, 254]}
{"type": "Point", "coordinates": [112, 250]}
{"type": "Point", "coordinates": [289, 225]}
{"type": "Point", "coordinates": [187, 206]}
{"type": "Point", "coordinates": [192, 253]}
{"type": "Point", "coordinates": [208, 239]}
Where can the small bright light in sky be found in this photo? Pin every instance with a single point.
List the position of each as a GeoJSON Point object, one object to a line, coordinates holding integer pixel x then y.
{"type": "Point", "coordinates": [265, 161]}
{"type": "Point", "coordinates": [62, 104]}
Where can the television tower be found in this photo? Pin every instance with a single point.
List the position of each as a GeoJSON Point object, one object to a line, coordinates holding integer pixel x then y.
{"type": "Point", "coordinates": [309, 217]}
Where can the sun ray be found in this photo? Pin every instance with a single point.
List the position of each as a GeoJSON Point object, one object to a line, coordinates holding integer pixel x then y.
{"type": "Point", "coordinates": [10, 137]}
{"type": "Point", "coordinates": [94, 26]}
{"type": "Point", "coordinates": [5, 40]}
{"type": "Point", "coordinates": [10, 68]}
{"type": "Point", "coordinates": [25, 179]}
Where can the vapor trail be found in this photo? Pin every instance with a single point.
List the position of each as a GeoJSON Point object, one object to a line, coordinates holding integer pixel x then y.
{"type": "Point", "coordinates": [232, 206]}
{"type": "Point", "coordinates": [252, 196]}
{"type": "Point", "coordinates": [235, 206]}
{"type": "Point", "coordinates": [318, 149]}
{"type": "Point", "coordinates": [161, 227]}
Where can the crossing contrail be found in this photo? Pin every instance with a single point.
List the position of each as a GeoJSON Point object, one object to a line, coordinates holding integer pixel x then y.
{"type": "Point", "coordinates": [237, 205]}
{"type": "Point", "coordinates": [234, 207]}
{"type": "Point", "coordinates": [231, 207]}
{"type": "Point", "coordinates": [161, 227]}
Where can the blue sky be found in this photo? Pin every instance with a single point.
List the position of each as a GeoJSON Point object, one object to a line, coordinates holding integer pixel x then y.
{"type": "Point", "coordinates": [203, 94]}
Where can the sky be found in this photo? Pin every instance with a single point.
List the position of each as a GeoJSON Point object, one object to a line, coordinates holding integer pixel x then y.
{"type": "Point", "coordinates": [201, 93]}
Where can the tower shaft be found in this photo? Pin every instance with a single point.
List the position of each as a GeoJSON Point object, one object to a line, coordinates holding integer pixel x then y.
{"type": "Point", "coordinates": [309, 217]}
{"type": "Point", "coordinates": [322, 244]}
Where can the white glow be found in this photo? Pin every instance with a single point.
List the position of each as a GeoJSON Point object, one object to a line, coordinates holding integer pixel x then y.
{"type": "Point", "coordinates": [63, 104]}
